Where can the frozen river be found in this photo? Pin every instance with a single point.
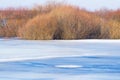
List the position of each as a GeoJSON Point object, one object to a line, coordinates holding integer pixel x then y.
{"type": "Point", "coordinates": [59, 60]}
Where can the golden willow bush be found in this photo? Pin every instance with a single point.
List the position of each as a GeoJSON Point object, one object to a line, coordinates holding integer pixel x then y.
{"type": "Point", "coordinates": [63, 22]}
{"type": "Point", "coordinates": [11, 19]}
{"type": "Point", "coordinates": [114, 29]}
{"type": "Point", "coordinates": [41, 27]}
{"type": "Point", "coordinates": [60, 21]}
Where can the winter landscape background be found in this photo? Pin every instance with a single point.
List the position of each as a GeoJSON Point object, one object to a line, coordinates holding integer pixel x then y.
{"type": "Point", "coordinates": [59, 60]}
{"type": "Point", "coordinates": [64, 40]}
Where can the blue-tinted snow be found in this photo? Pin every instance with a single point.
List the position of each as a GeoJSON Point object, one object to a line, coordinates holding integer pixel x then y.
{"type": "Point", "coordinates": [59, 60]}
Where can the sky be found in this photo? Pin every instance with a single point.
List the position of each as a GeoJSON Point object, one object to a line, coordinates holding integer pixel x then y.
{"type": "Point", "coordinates": [87, 4]}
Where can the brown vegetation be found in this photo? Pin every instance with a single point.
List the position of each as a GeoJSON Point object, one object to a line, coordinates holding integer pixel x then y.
{"type": "Point", "coordinates": [59, 21]}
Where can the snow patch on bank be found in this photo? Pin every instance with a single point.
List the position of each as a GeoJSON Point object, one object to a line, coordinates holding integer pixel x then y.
{"type": "Point", "coordinates": [17, 50]}
{"type": "Point", "coordinates": [69, 66]}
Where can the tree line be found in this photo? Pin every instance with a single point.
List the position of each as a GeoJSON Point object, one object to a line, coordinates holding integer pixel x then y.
{"type": "Point", "coordinates": [59, 21]}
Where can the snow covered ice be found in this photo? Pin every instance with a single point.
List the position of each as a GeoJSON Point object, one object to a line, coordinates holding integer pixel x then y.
{"type": "Point", "coordinates": [59, 60]}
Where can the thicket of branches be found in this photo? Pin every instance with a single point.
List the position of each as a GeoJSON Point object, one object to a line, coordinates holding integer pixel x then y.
{"type": "Point", "coordinates": [59, 21]}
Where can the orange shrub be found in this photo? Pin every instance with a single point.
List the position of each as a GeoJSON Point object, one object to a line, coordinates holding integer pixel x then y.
{"type": "Point", "coordinates": [14, 18]}
{"type": "Point", "coordinates": [63, 22]}
{"type": "Point", "coordinates": [76, 23]}
{"type": "Point", "coordinates": [60, 21]}
{"type": "Point", "coordinates": [114, 15]}
{"type": "Point", "coordinates": [41, 27]}
{"type": "Point", "coordinates": [114, 29]}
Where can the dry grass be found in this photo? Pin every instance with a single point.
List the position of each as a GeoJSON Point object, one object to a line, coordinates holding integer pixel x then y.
{"type": "Point", "coordinates": [114, 29]}
{"type": "Point", "coordinates": [64, 22]}
{"type": "Point", "coordinates": [60, 21]}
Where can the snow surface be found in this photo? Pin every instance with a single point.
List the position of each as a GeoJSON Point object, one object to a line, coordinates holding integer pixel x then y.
{"type": "Point", "coordinates": [59, 60]}
{"type": "Point", "coordinates": [16, 50]}
{"type": "Point", "coordinates": [68, 66]}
